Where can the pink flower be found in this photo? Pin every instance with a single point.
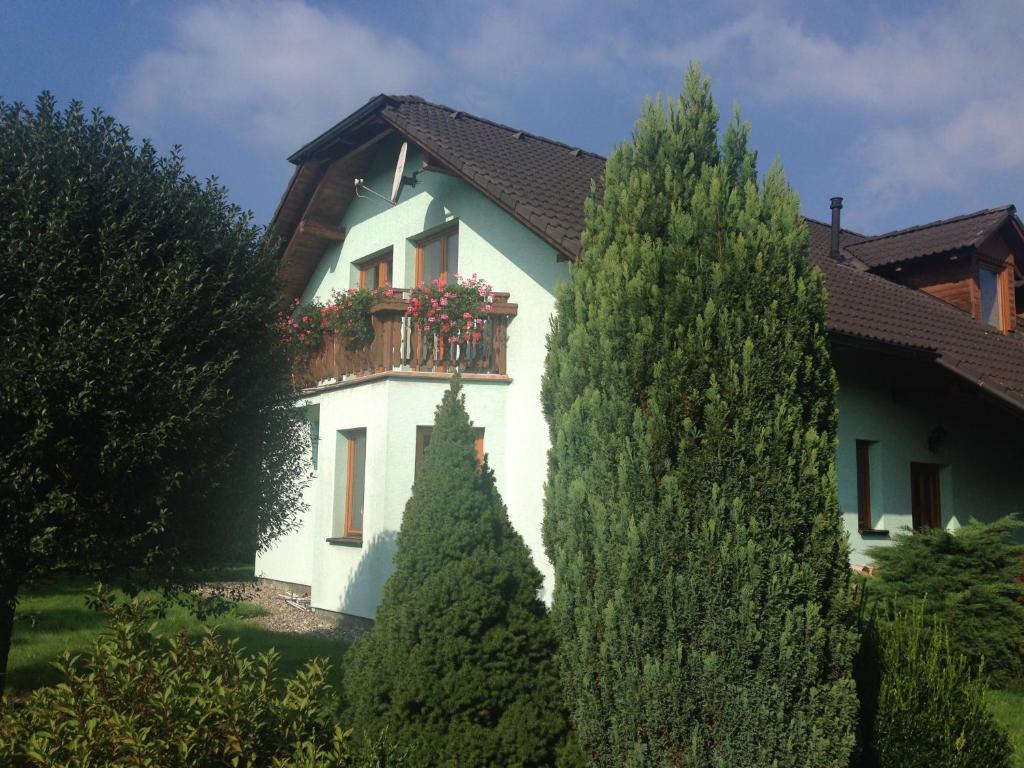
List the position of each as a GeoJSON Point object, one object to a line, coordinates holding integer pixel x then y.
{"type": "Point", "coordinates": [466, 315]}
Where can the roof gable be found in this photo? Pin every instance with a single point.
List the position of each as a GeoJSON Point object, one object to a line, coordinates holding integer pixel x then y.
{"type": "Point", "coordinates": [543, 184]}
{"type": "Point", "coordinates": [967, 231]}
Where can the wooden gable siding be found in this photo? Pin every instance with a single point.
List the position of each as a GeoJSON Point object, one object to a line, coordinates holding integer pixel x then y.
{"type": "Point", "coordinates": [954, 277]}
{"type": "Point", "coordinates": [950, 277]}
{"type": "Point", "coordinates": [315, 202]}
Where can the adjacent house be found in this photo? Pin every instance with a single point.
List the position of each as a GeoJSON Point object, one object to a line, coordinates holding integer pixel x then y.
{"type": "Point", "coordinates": [925, 325]}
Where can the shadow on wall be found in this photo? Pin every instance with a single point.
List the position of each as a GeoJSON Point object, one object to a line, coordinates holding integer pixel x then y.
{"type": "Point", "coordinates": [362, 595]}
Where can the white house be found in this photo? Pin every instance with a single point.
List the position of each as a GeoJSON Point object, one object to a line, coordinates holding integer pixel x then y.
{"type": "Point", "coordinates": [931, 391]}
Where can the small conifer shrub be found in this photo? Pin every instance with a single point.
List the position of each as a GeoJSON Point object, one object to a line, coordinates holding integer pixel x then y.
{"type": "Point", "coordinates": [459, 666]}
{"type": "Point", "coordinates": [140, 699]}
{"type": "Point", "coordinates": [969, 580]}
{"type": "Point", "coordinates": [922, 703]}
{"type": "Point", "coordinates": [702, 590]}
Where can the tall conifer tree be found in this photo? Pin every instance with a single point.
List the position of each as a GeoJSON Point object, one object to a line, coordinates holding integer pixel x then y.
{"type": "Point", "coordinates": [460, 664]}
{"type": "Point", "coordinates": [701, 592]}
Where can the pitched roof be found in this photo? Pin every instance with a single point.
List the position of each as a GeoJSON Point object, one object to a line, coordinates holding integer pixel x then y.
{"type": "Point", "coordinates": [544, 184]}
{"type": "Point", "coordinates": [541, 182]}
{"type": "Point", "coordinates": [868, 306]}
{"type": "Point", "coordinates": [967, 231]}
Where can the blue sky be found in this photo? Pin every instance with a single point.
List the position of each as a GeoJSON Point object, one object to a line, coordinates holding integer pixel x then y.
{"type": "Point", "coordinates": [911, 111]}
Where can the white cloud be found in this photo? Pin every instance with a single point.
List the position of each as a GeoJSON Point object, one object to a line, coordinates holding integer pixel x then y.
{"type": "Point", "coordinates": [933, 93]}
{"type": "Point", "coordinates": [275, 72]}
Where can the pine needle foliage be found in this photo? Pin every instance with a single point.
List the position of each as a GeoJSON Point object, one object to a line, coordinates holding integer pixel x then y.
{"type": "Point", "coordinates": [970, 579]}
{"type": "Point", "coordinates": [702, 592]}
{"type": "Point", "coordinates": [459, 666]}
{"type": "Point", "coordinates": [922, 702]}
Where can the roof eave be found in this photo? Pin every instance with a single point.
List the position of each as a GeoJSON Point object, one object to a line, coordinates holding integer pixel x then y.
{"type": "Point", "coordinates": [333, 134]}
{"type": "Point", "coordinates": [1002, 398]}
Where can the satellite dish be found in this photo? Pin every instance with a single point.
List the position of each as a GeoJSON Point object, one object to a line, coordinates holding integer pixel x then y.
{"type": "Point", "coordinates": [396, 185]}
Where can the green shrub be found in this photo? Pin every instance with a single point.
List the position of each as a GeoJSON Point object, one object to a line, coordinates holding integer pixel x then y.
{"type": "Point", "coordinates": [701, 571]}
{"type": "Point", "coordinates": [141, 699]}
{"type": "Point", "coordinates": [922, 704]}
{"type": "Point", "coordinates": [970, 579]}
{"type": "Point", "coordinates": [460, 664]}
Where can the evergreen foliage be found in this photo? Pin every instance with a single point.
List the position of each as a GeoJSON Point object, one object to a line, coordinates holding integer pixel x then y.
{"type": "Point", "coordinates": [459, 665]}
{"type": "Point", "coordinates": [179, 702]}
{"type": "Point", "coordinates": [922, 703]}
{"type": "Point", "coordinates": [146, 417]}
{"type": "Point", "coordinates": [702, 590]}
{"type": "Point", "coordinates": [970, 580]}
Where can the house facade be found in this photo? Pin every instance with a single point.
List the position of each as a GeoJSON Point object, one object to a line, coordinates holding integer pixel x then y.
{"type": "Point", "coordinates": [923, 326]}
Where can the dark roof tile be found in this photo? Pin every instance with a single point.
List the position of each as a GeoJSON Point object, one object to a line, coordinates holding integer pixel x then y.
{"type": "Point", "coordinates": [544, 184]}
{"type": "Point", "coordinates": [967, 231]}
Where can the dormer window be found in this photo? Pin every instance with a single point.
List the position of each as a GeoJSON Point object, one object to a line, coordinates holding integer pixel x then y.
{"type": "Point", "coordinates": [990, 284]}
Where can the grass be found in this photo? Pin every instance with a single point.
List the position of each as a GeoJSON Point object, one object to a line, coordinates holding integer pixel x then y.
{"type": "Point", "coordinates": [53, 618]}
{"type": "Point", "coordinates": [1008, 708]}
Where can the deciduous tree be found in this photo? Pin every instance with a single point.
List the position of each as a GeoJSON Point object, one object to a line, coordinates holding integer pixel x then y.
{"type": "Point", "coordinates": [145, 406]}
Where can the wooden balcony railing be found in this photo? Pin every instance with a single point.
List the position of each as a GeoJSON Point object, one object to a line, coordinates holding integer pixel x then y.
{"type": "Point", "coordinates": [398, 345]}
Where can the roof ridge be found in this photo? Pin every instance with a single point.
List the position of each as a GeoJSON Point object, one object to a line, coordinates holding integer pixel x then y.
{"type": "Point", "coordinates": [1008, 209]}
{"type": "Point", "coordinates": [412, 99]}
{"type": "Point", "coordinates": [829, 226]}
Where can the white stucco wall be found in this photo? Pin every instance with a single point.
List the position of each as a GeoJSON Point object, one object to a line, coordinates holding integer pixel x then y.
{"type": "Point", "coordinates": [898, 404]}
{"type": "Point", "coordinates": [511, 258]}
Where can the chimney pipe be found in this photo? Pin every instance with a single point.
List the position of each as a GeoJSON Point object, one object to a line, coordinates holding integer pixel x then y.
{"type": "Point", "coordinates": [837, 206]}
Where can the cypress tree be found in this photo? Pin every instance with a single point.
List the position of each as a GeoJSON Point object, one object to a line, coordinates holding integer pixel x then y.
{"type": "Point", "coordinates": [460, 666]}
{"type": "Point", "coordinates": [701, 593]}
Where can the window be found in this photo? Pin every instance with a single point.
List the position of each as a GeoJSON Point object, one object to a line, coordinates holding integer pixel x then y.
{"type": "Point", "coordinates": [925, 496]}
{"type": "Point", "coordinates": [864, 520]}
{"type": "Point", "coordinates": [376, 272]}
{"type": "Point", "coordinates": [991, 283]}
{"type": "Point", "coordinates": [423, 440]}
{"type": "Point", "coordinates": [438, 258]}
{"type": "Point", "coordinates": [352, 450]}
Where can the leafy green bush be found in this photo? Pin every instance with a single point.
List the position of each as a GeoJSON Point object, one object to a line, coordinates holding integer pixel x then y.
{"type": "Point", "coordinates": [922, 704]}
{"type": "Point", "coordinates": [460, 663]}
{"type": "Point", "coordinates": [140, 699]}
{"type": "Point", "coordinates": [970, 579]}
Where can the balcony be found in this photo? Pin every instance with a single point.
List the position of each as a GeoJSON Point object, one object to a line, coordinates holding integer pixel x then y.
{"type": "Point", "coordinates": [398, 346]}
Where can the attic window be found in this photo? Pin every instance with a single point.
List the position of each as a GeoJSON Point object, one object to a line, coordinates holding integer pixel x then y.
{"type": "Point", "coordinates": [990, 283]}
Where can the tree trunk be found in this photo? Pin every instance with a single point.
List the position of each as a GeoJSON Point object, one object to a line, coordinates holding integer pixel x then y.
{"type": "Point", "coordinates": [8, 601]}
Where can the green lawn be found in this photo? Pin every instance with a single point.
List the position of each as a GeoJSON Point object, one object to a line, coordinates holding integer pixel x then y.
{"type": "Point", "coordinates": [1008, 707]}
{"type": "Point", "coordinates": [53, 618]}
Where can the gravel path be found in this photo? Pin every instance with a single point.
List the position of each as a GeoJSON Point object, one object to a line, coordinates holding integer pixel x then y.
{"type": "Point", "coordinates": [282, 617]}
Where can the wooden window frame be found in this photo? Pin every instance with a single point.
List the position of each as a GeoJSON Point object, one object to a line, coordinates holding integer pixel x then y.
{"type": "Point", "coordinates": [1004, 289]}
{"type": "Point", "coordinates": [443, 236]}
{"type": "Point", "coordinates": [423, 432]}
{"type": "Point", "coordinates": [383, 265]}
{"type": "Point", "coordinates": [352, 436]}
{"type": "Point", "coordinates": [864, 519]}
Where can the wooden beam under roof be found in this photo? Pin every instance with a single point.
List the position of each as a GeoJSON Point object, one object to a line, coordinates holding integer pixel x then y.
{"type": "Point", "coordinates": [319, 229]}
